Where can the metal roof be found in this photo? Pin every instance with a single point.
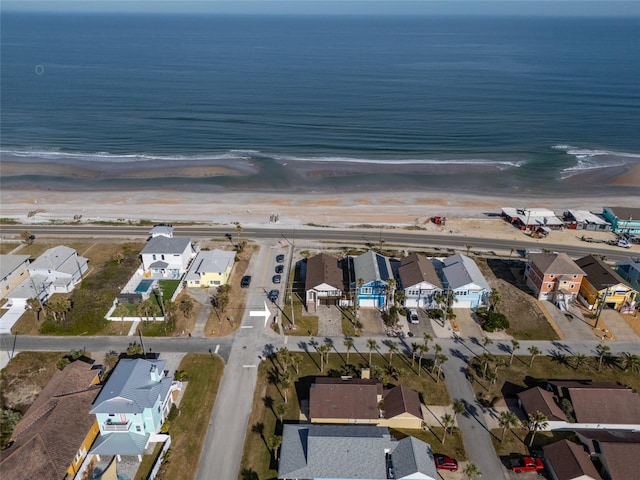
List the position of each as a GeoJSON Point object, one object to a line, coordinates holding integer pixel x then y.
{"type": "Point", "coordinates": [8, 263]}
{"type": "Point", "coordinates": [134, 384]}
{"type": "Point", "coordinates": [371, 267]}
{"type": "Point", "coordinates": [162, 244]}
{"type": "Point", "coordinates": [459, 271]}
{"type": "Point", "coordinates": [120, 443]}
{"type": "Point", "coordinates": [210, 261]}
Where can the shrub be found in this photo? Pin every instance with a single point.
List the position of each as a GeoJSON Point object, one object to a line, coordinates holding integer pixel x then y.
{"type": "Point", "coordinates": [492, 321]}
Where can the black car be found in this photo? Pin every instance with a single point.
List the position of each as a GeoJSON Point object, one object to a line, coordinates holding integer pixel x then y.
{"type": "Point", "coordinates": [276, 279]}
{"type": "Point", "coordinates": [273, 295]}
{"type": "Point", "coordinates": [246, 281]}
{"type": "Point", "coordinates": [279, 268]}
{"type": "Point", "coordinates": [280, 258]}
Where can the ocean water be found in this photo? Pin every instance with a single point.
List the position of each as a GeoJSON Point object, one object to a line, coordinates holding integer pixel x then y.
{"type": "Point", "coordinates": [480, 104]}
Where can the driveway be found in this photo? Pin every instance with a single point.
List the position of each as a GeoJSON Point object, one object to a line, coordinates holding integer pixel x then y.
{"type": "Point", "coordinates": [617, 326]}
{"type": "Point", "coordinates": [572, 324]}
{"type": "Point", "coordinates": [329, 321]}
{"type": "Point", "coordinates": [469, 328]}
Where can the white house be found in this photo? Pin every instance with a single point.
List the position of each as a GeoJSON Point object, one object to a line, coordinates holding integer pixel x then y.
{"type": "Point", "coordinates": [167, 257]}
{"type": "Point", "coordinates": [323, 281]}
{"type": "Point", "coordinates": [419, 280]}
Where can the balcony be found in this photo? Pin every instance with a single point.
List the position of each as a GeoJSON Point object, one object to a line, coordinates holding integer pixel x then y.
{"type": "Point", "coordinates": [116, 426]}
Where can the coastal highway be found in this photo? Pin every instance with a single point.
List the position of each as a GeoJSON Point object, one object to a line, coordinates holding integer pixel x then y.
{"type": "Point", "coordinates": [348, 236]}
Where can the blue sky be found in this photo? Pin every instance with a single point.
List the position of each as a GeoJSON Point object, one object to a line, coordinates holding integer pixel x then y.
{"type": "Point", "coordinates": [340, 7]}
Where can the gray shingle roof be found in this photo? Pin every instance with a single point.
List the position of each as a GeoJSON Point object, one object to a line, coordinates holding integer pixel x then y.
{"type": "Point", "coordinates": [349, 451]}
{"type": "Point", "coordinates": [131, 388]}
{"type": "Point", "coordinates": [459, 270]}
{"type": "Point", "coordinates": [59, 259]}
{"type": "Point", "coordinates": [8, 263]}
{"type": "Point", "coordinates": [162, 244]}
{"type": "Point", "coordinates": [120, 444]}
{"type": "Point", "coordinates": [210, 261]}
{"type": "Point", "coordinates": [371, 266]}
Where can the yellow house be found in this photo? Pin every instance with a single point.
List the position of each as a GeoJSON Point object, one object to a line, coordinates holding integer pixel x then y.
{"type": "Point", "coordinates": [363, 402]}
{"type": "Point", "coordinates": [602, 283]}
{"type": "Point", "coordinates": [210, 268]}
{"type": "Point", "coordinates": [52, 439]}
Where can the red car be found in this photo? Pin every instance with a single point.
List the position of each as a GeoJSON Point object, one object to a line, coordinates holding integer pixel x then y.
{"type": "Point", "coordinates": [526, 464]}
{"type": "Point", "coordinates": [445, 463]}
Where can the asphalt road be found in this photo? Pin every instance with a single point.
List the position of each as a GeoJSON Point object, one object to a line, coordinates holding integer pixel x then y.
{"type": "Point", "coordinates": [337, 235]}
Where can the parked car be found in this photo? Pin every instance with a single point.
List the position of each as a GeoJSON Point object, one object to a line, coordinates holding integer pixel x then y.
{"type": "Point", "coordinates": [526, 464]}
{"type": "Point", "coordinates": [245, 282]}
{"type": "Point", "coordinates": [279, 268]}
{"type": "Point", "coordinates": [413, 316]}
{"type": "Point", "coordinates": [445, 463]}
{"type": "Point", "coordinates": [276, 279]}
{"type": "Point", "coordinates": [273, 295]}
{"type": "Point", "coordinates": [280, 258]}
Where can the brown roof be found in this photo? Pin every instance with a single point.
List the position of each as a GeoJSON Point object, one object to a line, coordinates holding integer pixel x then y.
{"type": "Point", "coordinates": [321, 269]}
{"type": "Point", "coordinates": [348, 399]}
{"type": "Point", "coordinates": [401, 399]}
{"type": "Point", "coordinates": [51, 432]}
{"type": "Point", "coordinates": [625, 213]}
{"type": "Point", "coordinates": [623, 460]}
{"type": "Point", "coordinates": [415, 269]}
{"type": "Point", "coordinates": [569, 461]}
{"type": "Point", "coordinates": [599, 274]}
{"type": "Point", "coordinates": [555, 264]}
{"type": "Point", "coordinates": [537, 399]}
{"type": "Point", "coordinates": [605, 405]}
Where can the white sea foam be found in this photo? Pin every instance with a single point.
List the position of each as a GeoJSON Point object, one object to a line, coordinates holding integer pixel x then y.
{"type": "Point", "coordinates": [54, 154]}
{"type": "Point", "coordinates": [593, 159]}
{"type": "Point", "coordinates": [501, 164]}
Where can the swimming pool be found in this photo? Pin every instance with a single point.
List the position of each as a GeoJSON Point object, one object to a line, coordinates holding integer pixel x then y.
{"type": "Point", "coordinates": [144, 286]}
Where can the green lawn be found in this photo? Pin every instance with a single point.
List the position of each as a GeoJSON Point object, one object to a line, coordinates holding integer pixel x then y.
{"type": "Point", "coordinates": [264, 422]}
{"type": "Point", "coordinates": [189, 428]}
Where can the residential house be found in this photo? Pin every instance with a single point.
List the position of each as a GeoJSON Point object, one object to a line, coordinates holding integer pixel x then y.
{"type": "Point", "coordinates": [210, 268]}
{"type": "Point", "coordinates": [373, 279]}
{"type": "Point", "coordinates": [419, 281]}
{"type": "Point", "coordinates": [53, 437]}
{"type": "Point", "coordinates": [13, 270]}
{"type": "Point", "coordinates": [532, 218]}
{"type": "Point", "coordinates": [324, 281]}
{"type": "Point", "coordinates": [629, 270]}
{"type": "Point", "coordinates": [363, 401]}
{"type": "Point", "coordinates": [132, 406]}
{"type": "Point", "coordinates": [352, 452]}
{"type": "Point", "coordinates": [554, 277]}
{"type": "Point", "coordinates": [164, 257]}
{"type": "Point", "coordinates": [603, 284]}
{"type": "Point", "coordinates": [566, 460]}
{"type": "Point", "coordinates": [618, 452]}
{"type": "Point", "coordinates": [462, 276]}
{"type": "Point", "coordinates": [585, 220]}
{"type": "Point", "coordinates": [57, 270]}
{"type": "Point", "coordinates": [595, 405]}
{"type": "Point", "coordinates": [623, 219]}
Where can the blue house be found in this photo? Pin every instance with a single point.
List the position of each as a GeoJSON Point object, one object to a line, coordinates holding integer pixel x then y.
{"type": "Point", "coordinates": [623, 219]}
{"type": "Point", "coordinates": [629, 269]}
{"type": "Point", "coordinates": [372, 275]}
{"type": "Point", "coordinates": [461, 275]}
{"type": "Point", "coordinates": [132, 407]}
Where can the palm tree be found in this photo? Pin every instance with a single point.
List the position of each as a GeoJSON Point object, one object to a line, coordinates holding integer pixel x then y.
{"type": "Point", "coordinates": [485, 360]}
{"type": "Point", "coordinates": [295, 359]}
{"type": "Point", "coordinates": [285, 383]}
{"type": "Point", "coordinates": [414, 350]}
{"type": "Point", "coordinates": [389, 289]}
{"type": "Point", "coordinates": [471, 471]}
{"type": "Point", "coordinates": [360, 284]}
{"type": "Point", "coordinates": [423, 351]}
{"type": "Point", "coordinates": [35, 305]}
{"type": "Point", "coordinates": [602, 350]}
{"type": "Point", "coordinates": [442, 359]}
{"type": "Point", "coordinates": [533, 350]}
{"type": "Point", "coordinates": [110, 359]}
{"type": "Point", "coordinates": [436, 356]}
{"type": "Point", "coordinates": [371, 345]}
{"type": "Point", "coordinates": [426, 338]}
{"type": "Point", "coordinates": [393, 348]}
{"type": "Point", "coordinates": [349, 344]}
{"type": "Point", "coordinates": [468, 247]}
{"type": "Point", "coordinates": [447, 422]}
{"type": "Point", "coordinates": [486, 341]}
{"type": "Point", "coordinates": [324, 350]}
{"type": "Point", "coordinates": [494, 299]}
{"type": "Point", "coordinates": [281, 409]}
{"type": "Point", "coordinates": [239, 231]}
{"type": "Point", "coordinates": [186, 307]}
{"type": "Point", "coordinates": [515, 345]}
{"type": "Point", "coordinates": [580, 359]}
{"type": "Point", "coordinates": [537, 421]}
{"type": "Point", "coordinates": [284, 357]}
{"type": "Point", "coordinates": [274, 443]}
{"type": "Point", "coordinates": [507, 419]}
{"type": "Point", "coordinates": [630, 361]}
{"type": "Point", "coordinates": [27, 237]}
{"type": "Point", "coordinates": [458, 407]}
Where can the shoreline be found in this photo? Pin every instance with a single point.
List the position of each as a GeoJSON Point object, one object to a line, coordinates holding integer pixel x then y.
{"type": "Point", "coordinates": [400, 209]}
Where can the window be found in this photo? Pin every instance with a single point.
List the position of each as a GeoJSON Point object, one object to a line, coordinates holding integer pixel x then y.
{"type": "Point", "coordinates": [367, 290]}
{"type": "Point", "coordinates": [571, 286]}
{"type": "Point", "coordinates": [138, 428]}
{"type": "Point", "coordinates": [153, 256]}
{"type": "Point", "coordinates": [550, 276]}
{"type": "Point", "coordinates": [158, 408]}
{"type": "Point", "coordinates": [112, 414]}
{"type": "Point", "coordinates": [162, 256]}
